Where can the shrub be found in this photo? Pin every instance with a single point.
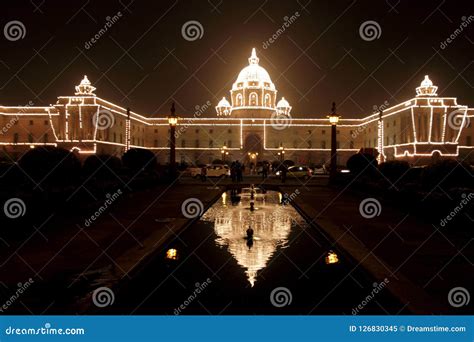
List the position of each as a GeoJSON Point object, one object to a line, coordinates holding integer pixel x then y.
{"type": "Point", "coordinates": [394, 170]}
{"type": "Point", "coordinates": [362, 164]}
{"type": "Point", "coordinates": [102, 166]}
{"type": "Point", "coordinates": [447, 174]}
{"type": "Point", "coordinates": [51, 166]}
{"type": "Point", "coordinates": [137, 159]}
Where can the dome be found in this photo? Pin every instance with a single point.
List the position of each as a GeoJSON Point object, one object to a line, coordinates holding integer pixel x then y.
{"type": "Point", "coordinates": [223, 107]}
{"type": "Point", "coordinates": [253, 73]}
{"type": "Point", "coordinates": [283, 103]}
{"type": "Point", "coordinates": [223, 103]}
{"type": "Point", "coordinates": [283, 107]}
{"type": "Point", "coordinates": [426, 88]}
{"type": "Point", "coordinates": [426, 82]}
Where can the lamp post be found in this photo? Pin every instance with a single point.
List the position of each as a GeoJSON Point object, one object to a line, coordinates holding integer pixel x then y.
{"type": "Point", "coordinates": [333, 120]}
{"type": "Point", "coordinates": [224, 153]}
{"type": "Point", "coordinates": [173, 121]}
{"type": "Point", "coordinates": [281, 154]}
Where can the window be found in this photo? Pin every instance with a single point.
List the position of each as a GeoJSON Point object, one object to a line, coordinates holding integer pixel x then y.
{"type": "Point", "coordinates": [196, 143]}
{"type": "Point", "coordinates": [394, 139]}
{"type": "Point", "coordinates": [155, 143]}
{"type": "Point", "coordinates": [229, 143]}
{"type": "Point", "coordinates": [253, 99]}
{"type": "Point", "coordinates": [211, 143]}
{"type": "Point", "coordinates": [229, 131]}
{"type": "Point", "coordinates": [337, 145]}
{"type": "Point", "coordinates": [323, 132]}
{"type": "Point", "coordinates": [268, 101]}
{"type": "Point", "coordinates": [15, 138]}
{"type": "Point", "coordinates": [238, 100]}
{"type": "Point", "coordinates": [310, 144]}
{"type": "Point", "coordinates": [394, 122]}
{"type": "Point", "coordinates": [46, 122]}
{"type": "Point", "coordinates": [351, 144]}
{"type": "Point", "coordinates": [196, 131]}
{"type": "Point", "coordinates": [121, 138]}
{"type": "Point", "coordinates": [156, 130]}
{"type": "Point", "coordinates": [211, 131]}
{"type": "Point", "coordinates": [388, 124]}
{"type": "Point", "coordinates": [323, 144]}
{"type": "Point", "coordinates": [183, 143]}
{"type": "Point", "coordinates": [30, 138]}
{"type": "Point", "coordinates": [45, 138]}
{"type": "Point", "coordinates": [31, 122]}
{"type": "Point", "coordinates": [115, 137]}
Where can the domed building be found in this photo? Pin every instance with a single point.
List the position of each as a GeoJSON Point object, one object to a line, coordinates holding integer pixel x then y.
{"type": "Point", "coordinates": [252, 126]}
{"type": "Point", "coordinates": [253, 94]}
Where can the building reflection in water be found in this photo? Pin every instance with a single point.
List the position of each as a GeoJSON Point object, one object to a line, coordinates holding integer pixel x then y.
{"type": "Point", "coordinates": [271, 222]}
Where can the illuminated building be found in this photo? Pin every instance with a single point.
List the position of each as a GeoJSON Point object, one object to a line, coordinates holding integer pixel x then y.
{"type": "Point", "coordinates": [255, 122]}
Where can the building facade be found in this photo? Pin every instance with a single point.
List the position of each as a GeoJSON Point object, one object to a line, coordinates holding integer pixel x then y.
{"type": "Point", "coordinates": [256, 125]}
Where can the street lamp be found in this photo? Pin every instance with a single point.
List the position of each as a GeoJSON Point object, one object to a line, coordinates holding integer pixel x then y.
{"type": "Point", "coordinates": [281, 154]}
{"type": "Point", "coordinates": [173, 121]}
{"type": "Point", "coordinates": [224, 153]}
{"type": "Point", "coordinates": [333, 120]}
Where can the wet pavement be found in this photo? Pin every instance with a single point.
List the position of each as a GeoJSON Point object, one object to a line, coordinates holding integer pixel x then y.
{"type": "Point", "coordinates": [286, 268]}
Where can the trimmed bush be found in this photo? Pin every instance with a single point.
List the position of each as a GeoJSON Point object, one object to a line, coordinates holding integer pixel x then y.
{"type": "Point", "coordinates": [102, 166]}
{"type": "Point", "coordinates": [51, 166]}
{"type": "Point", "coordinates": [394, 170]}
{"type": "Point", "coordinates": [362, 164]}
{"type": "Point", "coordinates": [137, 159]}
{"type": "Point", "coordinates": [447, 174]}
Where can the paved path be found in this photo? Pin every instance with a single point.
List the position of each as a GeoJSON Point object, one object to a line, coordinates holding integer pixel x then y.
{"type": "Point", "coordinates": [422, 261]}
{"type": "Point", "coordinates": [72, 260]}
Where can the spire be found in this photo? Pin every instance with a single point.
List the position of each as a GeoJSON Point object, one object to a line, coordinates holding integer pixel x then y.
{"type": "Point", "coordinates": [253, 58]}
{"type": "Point", "coordinates": [85, 87]}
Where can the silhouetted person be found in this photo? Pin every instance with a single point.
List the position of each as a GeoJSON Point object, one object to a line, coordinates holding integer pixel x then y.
{"type": "Point", "coordinates": [264, 171]}
{"type": "Point", "coordinates": [203, 173]}
{"type": "Point", "coordinates": [250, 233]}
{"type": "Point", "coordinates": [283, 174]}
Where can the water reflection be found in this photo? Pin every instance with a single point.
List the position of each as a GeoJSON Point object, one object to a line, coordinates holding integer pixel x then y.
{"type": "Point", "coordinates": [271, 223]}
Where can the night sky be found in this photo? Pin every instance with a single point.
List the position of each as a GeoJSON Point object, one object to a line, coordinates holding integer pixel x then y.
{"type": "Point", "coordinates": [144, 62]}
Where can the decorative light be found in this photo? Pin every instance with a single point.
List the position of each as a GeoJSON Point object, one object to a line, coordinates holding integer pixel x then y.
{"type": "Point", "coordinates": [331, 258]}
{"type": "Point", "coordinates": [172, 254]}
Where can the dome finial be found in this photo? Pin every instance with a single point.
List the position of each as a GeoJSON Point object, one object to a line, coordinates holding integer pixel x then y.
{"type": "Point", "coordinates": [253, 57]}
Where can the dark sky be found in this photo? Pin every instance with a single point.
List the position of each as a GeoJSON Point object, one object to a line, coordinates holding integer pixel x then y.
{"type": "Point", "coordinates": [144, 62]}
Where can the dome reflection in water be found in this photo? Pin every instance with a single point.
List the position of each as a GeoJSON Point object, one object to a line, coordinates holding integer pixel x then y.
{"type": "Point", "coordinates": [270, 220]}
